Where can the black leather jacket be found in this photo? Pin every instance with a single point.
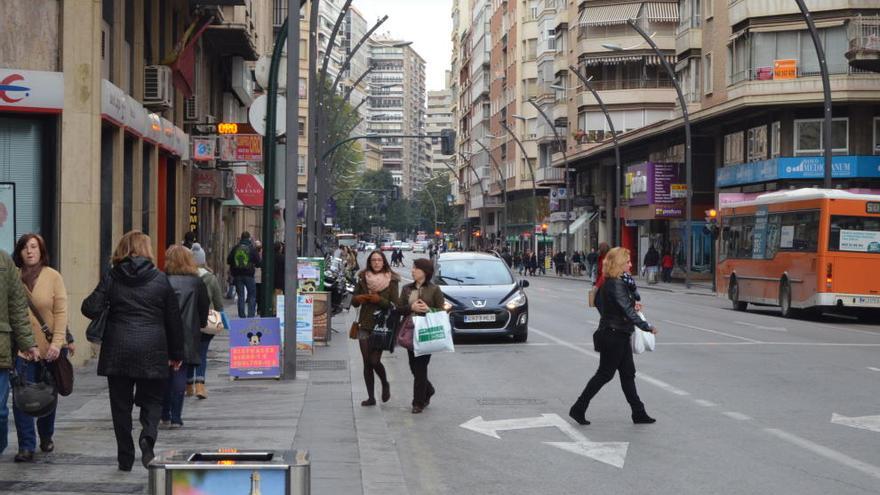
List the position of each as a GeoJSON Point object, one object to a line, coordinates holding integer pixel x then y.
{"type": "Point", "coordinates": [616, 304]}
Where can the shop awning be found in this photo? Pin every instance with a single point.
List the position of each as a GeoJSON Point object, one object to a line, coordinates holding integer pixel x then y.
{"type": "Point", "coordinates": [619, 59]}
{"type": "Point", "coordinates": [661, 11]}
{"type": "Point", "coordinates": [608, 15]}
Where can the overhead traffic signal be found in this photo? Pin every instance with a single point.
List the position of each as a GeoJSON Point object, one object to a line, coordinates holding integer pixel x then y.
{"type": "Point", "coordinates": [711, 227]}
{"type": "Point", "coordinates": [447, 142]}
{"type": "Point", "coordinates": [543, 228]}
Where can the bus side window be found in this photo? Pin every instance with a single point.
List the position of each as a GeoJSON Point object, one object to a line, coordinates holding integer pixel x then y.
{"type": "Point", "coordinates": [745, 245]}
{"type": "Point", "coordinates": [734, 234]}
{"type": "Point", "coordinates": [800, 231]}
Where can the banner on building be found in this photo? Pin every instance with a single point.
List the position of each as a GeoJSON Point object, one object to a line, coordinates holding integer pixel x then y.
{"type": "Point", "coordinates": [785, 69]}
{"type": "Point", "coordinates": [207, 183]}
{"type": "Point", "coordinates": [241, 148]}
{"type": "Point", "coordinates": [255, 348]}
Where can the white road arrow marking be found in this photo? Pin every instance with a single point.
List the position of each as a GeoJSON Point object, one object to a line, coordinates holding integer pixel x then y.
{"type": "Point", "coordinates": [761, 327]}
{"type": "Point", "coordinates": [873, 368]}
{"type": "Point", "coordinates": [871, 423]}
{"type": "Point", "coordinates": [611, 453]}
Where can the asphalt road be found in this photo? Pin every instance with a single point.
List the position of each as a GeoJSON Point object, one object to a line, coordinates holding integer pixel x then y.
{"type": "Point", "coordinates": [744, 404]}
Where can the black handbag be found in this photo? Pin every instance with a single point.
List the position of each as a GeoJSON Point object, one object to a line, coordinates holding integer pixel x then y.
{"type": "Point", "coordinates": [95, 330]}
{"type": "Point", "coordinates": [61, 368]}
{"type": "Point", "coordinates": [384, 334]}
{"type": "Point", "coordinates": [37, 399]}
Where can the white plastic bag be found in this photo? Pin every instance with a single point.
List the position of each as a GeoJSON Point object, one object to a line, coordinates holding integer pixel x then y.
{"type": "Point", "coordinates": [641, 340]}
{"type": "Point", "coordinates": [432, 333]}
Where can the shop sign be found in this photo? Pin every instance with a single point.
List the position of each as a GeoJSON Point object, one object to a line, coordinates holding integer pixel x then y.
{"type": "Point", "coordinates": [207, 183]}
{"type": "Point", "coordinates": [785, 69]}
{"type": "Point", "coordinates": [204, 148]}
{"type": "Point", "coordinates": [806, 167]}
{"type": "Point", "coordinates": [667, 212]}
{"type": "Point", "coordinates": [678, 191]}
{"type": "Point", "coordinates": [249, 189]}
{"type": "Point", "coordinates": [255, 348]}
{"type": "Point", "coordinates": [193, 214]}
{"type": "Point", "coordinates": [559, 216]}
{"type": "Point", "coordinates": [241, 148]}
{"type": "Point", "coordinates": [664, 175]}
{"type": "Point", "coordinates": [584, 201]}
{"type": "Point", "coordinates": [30, 90]}
{"type": "Point", "coordinates": [637, 182]}
{"type": "Point", "coordinates": [113, 103]}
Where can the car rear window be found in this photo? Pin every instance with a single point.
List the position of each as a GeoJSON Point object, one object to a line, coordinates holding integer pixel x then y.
{"type": "Point", "coordinates": [474, 272]}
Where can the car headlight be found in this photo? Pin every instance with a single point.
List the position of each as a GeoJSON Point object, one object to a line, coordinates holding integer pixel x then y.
{"type": "Point", "coordinates": [447, 306]}
{"type": "Point", "coordinates": [518, 299]}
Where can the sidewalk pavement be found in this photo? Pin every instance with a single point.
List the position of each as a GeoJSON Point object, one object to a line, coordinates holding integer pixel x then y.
{"type": "Point", "coordinates": [350, 448]}
{"type": "Point", "coordinates": [698, 288]}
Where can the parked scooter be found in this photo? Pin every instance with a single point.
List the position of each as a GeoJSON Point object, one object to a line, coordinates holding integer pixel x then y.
{"type": "Point", "coordinates": [339, 284]}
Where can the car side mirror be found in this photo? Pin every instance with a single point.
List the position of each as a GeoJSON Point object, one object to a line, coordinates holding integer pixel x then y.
{"type": "Point", "coordinates": [523, 284]}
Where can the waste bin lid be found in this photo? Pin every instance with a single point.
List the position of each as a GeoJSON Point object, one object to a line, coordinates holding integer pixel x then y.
{"type": "Point", "coordinates": [230, 457]}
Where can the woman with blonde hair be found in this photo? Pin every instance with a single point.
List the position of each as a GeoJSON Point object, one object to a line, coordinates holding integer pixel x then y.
{"type": "Point", "coordinates": [142, 339]}
{"type": "Point", "coordinates": [617, 307]}
{"type": "Point", "coordinates": [47, 298]}
{"type": "Point", "coordinates": [194, 303]}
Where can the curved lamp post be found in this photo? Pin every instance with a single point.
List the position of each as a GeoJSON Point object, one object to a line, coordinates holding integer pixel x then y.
{"type": "Point", "coordinates": [687, 143]}
{"type": "Point", "coordinates": [565, 165]}
{"type": "Point", "coordinates": [503, 182]}
{"type": "Point", "coordinates": [467, 162]}
{"type": "Point", "coordinates": [531, 171]}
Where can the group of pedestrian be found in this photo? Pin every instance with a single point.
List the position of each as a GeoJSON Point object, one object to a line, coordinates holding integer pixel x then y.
{"type": "Point", "coordinates": [378, 291]}
{"type": "Point", "coordinates": [396, 257]}
{"type": "Point", "coordinates": [526, 263]}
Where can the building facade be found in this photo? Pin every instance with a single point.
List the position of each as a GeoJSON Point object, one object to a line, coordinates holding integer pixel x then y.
{"type": "Point", "coordinates": [439, 117]}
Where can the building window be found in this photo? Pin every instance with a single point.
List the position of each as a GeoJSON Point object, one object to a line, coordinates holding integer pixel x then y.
{"type": "Point", "coordinates": [301, 165]}
{"type": "Point", "coordinates": [733, 148]}
{"type": "Point", "coordinates": [302, 126]}
{"type": "Point", "coordinates": [756, 145]}
{"type": "Point", "coordinates": [302, 88]}
{"type": "Point", "coordinates": [775, 134]}
{"type": "Point", "coordinates": [808, 137]}
{"type": "Point", "coordinates": [707, 73]}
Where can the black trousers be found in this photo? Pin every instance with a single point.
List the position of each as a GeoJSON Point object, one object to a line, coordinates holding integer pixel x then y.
{"type": "Point", "coordinates": [615, 354]}
{"type": "Point", "coordinates": [422, 388]}
{"type": "Point", "coordinates": [125, 392]}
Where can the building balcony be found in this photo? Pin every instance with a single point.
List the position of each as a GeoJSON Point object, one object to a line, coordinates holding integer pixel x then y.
{"type": "Point", "coordinates": [547, 176]}
{"type": "Point", "coordinates": [740, 10]}
{"type": "Point", "coordinates": [495, 188]}
{"type": "Point", "coordinates": [759, 86]}
{"type": "Point", "coordinates": [688, 38]}
{"type": "Point", "coordinates": [233, 32]}
{"type": "Point", "coordinates": [864, 42]}
{"type": "Point", "coordinates": [560, 63]}
{"type": "Point", "coordinates": [639, 91]}
{"type": "Point", "coordinates": [593, 46]}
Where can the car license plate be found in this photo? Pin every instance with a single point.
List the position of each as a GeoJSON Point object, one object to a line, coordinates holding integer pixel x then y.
{"type": "Point", "coordinates": [479, 318]}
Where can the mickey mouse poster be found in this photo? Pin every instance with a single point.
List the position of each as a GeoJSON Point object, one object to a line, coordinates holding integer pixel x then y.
{"type": "Point", "coordinates": [255, 348]}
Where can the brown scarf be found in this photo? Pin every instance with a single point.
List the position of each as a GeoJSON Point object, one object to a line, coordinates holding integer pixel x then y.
{"type": "Point", "coordinates": [377, 282]}
{"type": "Point", "coordinates": [30, 274]}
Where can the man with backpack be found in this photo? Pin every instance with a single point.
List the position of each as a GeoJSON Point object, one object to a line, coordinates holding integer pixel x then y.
{"type": "Point", "coordinates": [243, 261]}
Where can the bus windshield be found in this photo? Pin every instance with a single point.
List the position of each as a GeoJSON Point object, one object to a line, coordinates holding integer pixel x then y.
{"type": "Point", "coordinates": [854, 234]}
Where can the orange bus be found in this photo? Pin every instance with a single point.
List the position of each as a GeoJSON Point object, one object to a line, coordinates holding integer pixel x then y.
{"type": "Point", "coordinates": [801, 250]}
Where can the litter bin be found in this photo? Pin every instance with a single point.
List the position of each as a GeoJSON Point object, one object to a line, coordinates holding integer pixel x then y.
{"type": "Point", "coordinates": [228, 472]}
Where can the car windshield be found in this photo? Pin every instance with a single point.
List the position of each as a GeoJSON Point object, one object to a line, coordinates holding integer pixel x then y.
{"type": "Point", "coordinates": [474, 272]}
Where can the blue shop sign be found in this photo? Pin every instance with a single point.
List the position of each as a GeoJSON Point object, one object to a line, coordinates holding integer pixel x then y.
{"type": "Point", "coordinates": [802, 167]}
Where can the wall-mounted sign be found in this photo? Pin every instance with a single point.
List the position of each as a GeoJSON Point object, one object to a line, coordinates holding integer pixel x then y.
{"type": "Point", "coordinates": [241, 148]}
{"type": "Point", "coordinates": [204, 148]}
{"type": "Point", "coordinates": [785, 69]}
{"type": "Point", "coordinates": [193, 214]}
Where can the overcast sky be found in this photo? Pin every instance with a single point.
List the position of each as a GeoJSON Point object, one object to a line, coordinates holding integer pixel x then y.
{"type": "Point", "coordinates": [427, 23]}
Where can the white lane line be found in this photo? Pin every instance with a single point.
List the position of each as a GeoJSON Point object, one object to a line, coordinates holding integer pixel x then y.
{"type": "Point", "coordinates": [826, 452]}
{"type": "Point", "coordinates": [737, 415]}
{"type": "Point", "coordinates": [705, 403]}
{"type": "Point", "coordinates": [594, 355]}
{"type": "Point", "coordinates": [761, 327]}
{"type": "Point", "coordinates": [873, 368]}
{"type": "Point", "coordinates": [716, 332]}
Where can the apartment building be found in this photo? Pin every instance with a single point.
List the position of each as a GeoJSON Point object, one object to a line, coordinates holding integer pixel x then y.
{"type": "Point", "coordinates": [396, 105]}
{"type": "Point", "coordinates": [95, 132]}
{"type": "Point", "coordinates": [439, 117]}
{"type": "Point", "coordinates": [750, 78]}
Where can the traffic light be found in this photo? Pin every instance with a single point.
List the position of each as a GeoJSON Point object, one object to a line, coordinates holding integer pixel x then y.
{"type": "Point", "coordinates": [544, 228]}
{"type": "Point", "coordinates": [447, 142]}
{"type": "Point", "coordinates": [477, 234]}
{"type": "Point", "coordinates": [437, 233]}
{"type": "Point", "coordinates": [712, 223]}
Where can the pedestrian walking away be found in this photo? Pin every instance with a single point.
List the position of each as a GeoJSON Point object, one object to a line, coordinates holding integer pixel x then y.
{"type": "Point", "coordinates": [416, 299]}
{"type": "Point", "coordinates": [195, 383]}
{"type": "Point", "coordinates": [194, 303]}
{"type": "Point", "coordinates": [44, 287]}
{"type": "Point", "coordinates": [377, 290]}
{"type": "Point", "coordinates": [592, 261]}
{"type": "Point", "coordinates": [14, 315]}
{"type": "Point", "coordinates": [652, 265]}
{"type": "Point", "coordinates": [618, 309]}
{"type": "Point", "coordinates": [667, 263]}
{"type": "Point", "coordinates": [141, 344]}
{"type": "Point", "coordinates": [243, 261]}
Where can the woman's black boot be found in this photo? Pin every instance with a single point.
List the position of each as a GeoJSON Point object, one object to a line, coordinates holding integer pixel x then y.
{"type": "Point", "coordinates": [577, 412]}
{"type": "Point", "coordinates": [642, 418]}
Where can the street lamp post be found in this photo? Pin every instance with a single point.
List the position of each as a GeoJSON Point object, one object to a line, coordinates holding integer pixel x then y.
{"type": "Point", "coordinates": [617, 167]}
{"type": "Point", "coordinates": [468, 164]}
{"type": "Point", "coordinates": [565, 166]}
{"type": "Point", "coordinates": [503, 184]}
{"type": "Point", "coordinates": [826, 91]}
{"type": "Point", "coordinates": [531, 171]}
{"type": "Point", "coordinates": [687, 143]}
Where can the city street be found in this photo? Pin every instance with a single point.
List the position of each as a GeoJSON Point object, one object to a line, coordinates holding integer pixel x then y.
{"type": "Point", "coordinates": [744, 404]}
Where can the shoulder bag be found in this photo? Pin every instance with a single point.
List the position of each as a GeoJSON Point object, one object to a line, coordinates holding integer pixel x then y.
{"type": "Point", "coordinates": [36, 399]}
{"type": "Point", "coordinates": [215, 323]}
{"type": "Point", "coordinates": [355, 327]}
{"type": "Point", "coordinates": [61, 369]}
{"type": "Point", "coordinates": [95, 330]}
{"type": "Point", "coordinates": [383, 337]}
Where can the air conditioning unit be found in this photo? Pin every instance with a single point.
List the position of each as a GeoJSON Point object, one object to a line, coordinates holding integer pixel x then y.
{"type": "Point", "coordinates": [210, 119]}
{"type": "Point", "coordinates": [191, 109]}
{"type": "Point", "coordinates": [158, 92]}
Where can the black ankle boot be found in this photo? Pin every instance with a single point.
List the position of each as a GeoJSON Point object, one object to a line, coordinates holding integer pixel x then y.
{"type": "Point", "coordinates": [577, 413]}
{"type": "Point", "coordinates": [642, 418]}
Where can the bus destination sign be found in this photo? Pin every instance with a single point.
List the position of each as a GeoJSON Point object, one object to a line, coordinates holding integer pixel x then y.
{"type": "Point", "coordinates": [872, 207]}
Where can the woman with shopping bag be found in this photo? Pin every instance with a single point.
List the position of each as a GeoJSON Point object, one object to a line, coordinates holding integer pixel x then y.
{"type": "Point", "coordinates": [416, 300]}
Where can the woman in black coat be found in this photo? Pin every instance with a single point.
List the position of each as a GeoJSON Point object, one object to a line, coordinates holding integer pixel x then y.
{"type": "Point", "coordinates": [617, 305]}
{"type": "Point", "coordinates": [194, 303]}
{"type": "Point", "coordinates": [142, 339]}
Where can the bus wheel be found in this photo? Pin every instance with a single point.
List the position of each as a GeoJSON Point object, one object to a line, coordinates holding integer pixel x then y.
{"type": "Point", "coordinates": [785, 300]}
{"type": "Point", "coordinates": [734, 296]}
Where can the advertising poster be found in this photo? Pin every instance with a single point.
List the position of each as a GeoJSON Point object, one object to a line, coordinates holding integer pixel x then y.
{"type": "Point", "coordinates": [861, 241]}
{"type": "Point", "coordinates": [255, 348]}
{"type": "Point", "coordinates": [228, 481]}
{"type": "Point", "coordinates": [7, 217]}
{"type": "Point", "coordinates": [310, 274]}
{"type": "Point", "coordinates": [305, 343]}
{"type": "Point", "coordinates": [248, 147]}
{"type": "Point", "coordinates": [321, 316]}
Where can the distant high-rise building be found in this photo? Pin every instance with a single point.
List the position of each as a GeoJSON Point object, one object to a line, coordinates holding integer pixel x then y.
{"type": "Point", "coordinates": [439, 118]}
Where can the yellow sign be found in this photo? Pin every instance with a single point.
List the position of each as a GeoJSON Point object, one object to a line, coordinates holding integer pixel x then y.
{"type": "Point", "coordinates": [785, 69]}
{"type": "Point", "coordinates": [227, 128]}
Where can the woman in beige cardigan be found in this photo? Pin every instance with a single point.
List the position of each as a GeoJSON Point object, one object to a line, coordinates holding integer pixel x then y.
{"type": "Point", "coordinates": [46, 291]}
